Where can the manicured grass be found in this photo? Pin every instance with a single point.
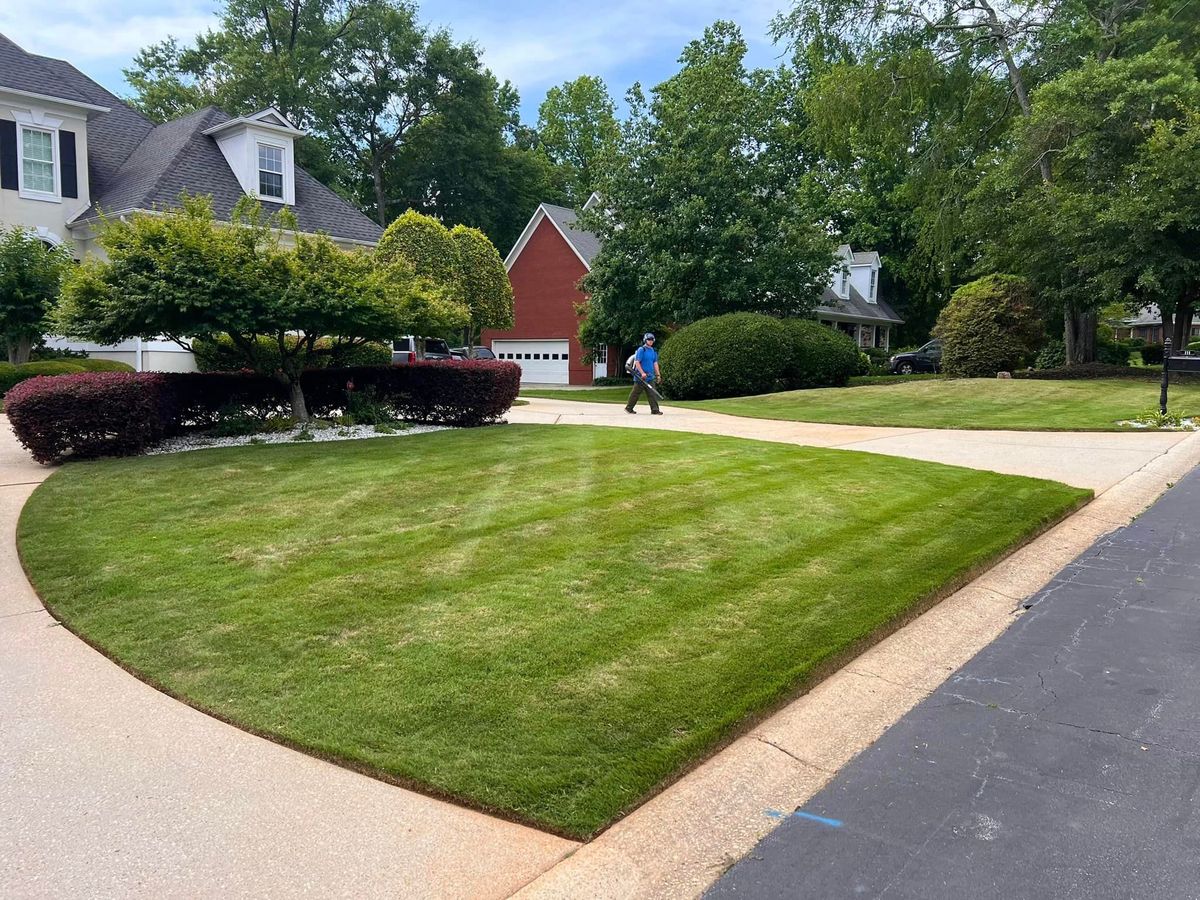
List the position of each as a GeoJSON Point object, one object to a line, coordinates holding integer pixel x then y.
{"type": "Point", "coordinates": [544, 621]}
{"type": "Point", "coordinates": [1016, 404]}
{"type": "Point", "coordinates": [592, 395]}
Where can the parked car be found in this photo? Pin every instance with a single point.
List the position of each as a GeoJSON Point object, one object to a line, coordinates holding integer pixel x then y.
{"type": "Point", "coordinates": [924, 359]}
{"type": "Point", "coordinates": [408, 349]}
{"type": "Point", "coordinates": [480, 353]}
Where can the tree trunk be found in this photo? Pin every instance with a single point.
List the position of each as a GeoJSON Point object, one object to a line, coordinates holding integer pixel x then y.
{"type": "Point", "coordinates": [1181, 331]}
{"type": "Point", "coordinates": [1079, 335]}
{"type": "Point", "coordinates": [380, 195]}
{"type": "Point", "coordinates": [299, 409]}
{"type": "Point", "coordinates": [19, 349]}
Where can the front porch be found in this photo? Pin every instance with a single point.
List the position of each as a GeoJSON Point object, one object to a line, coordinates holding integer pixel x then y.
{"type": "Point", "coordinates": [866, 335]}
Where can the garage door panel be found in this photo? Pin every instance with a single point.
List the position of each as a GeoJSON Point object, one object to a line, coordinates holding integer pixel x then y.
{"type": "Point", "coordinates": [541, 362]}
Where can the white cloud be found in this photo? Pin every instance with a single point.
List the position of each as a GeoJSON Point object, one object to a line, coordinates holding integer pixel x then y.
{"type": "Point", "coordinates": [89, 32]}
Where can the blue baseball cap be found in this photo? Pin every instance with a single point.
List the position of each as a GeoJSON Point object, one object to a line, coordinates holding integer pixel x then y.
{"type": "Point", "coordinates": [647, 336]}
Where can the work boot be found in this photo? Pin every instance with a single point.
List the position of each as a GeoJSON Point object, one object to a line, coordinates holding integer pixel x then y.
{"type": "Point", "coordinates": [632, 412]}
{"type": "Point", "coordinates": [656, 412]}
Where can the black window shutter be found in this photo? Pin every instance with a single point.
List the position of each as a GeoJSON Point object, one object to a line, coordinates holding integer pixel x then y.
{"type": "Point", "coordinates": [70, 174]}
{"type": "Point", "coordinates": [8, 155]}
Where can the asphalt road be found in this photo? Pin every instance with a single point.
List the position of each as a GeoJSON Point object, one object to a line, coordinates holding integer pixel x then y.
{"type": "Point", "coordinates": [1063, 761]}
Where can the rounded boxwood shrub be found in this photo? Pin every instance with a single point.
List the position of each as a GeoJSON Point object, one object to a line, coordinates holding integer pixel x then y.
{"type": "Point", "coordinates": [733, 355]}
{"type": "Point", "coordinates": [820, 356]}
{"type": "Point", "coordinates": [11, 375]}
{"type": "Point", "coordinates": [1152, 354]}
{"type": "Point", "coordinates": [989, 325]}
{"type": "Point", "coordinates": [102, 365]}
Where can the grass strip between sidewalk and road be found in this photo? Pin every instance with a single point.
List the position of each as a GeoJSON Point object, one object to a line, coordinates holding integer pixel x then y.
{"type": "Point", "coordinates": [550, 623]}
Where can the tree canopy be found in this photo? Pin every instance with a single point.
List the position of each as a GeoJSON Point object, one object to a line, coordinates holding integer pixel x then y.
{"type": "Point", "coordinates": [30, 274]}
{"type": "Point", "coordinates": [702, 212]}
{"type": "Point", "coordinates": [185, 275]}
{"type": "Point", "coordinates": [577, 128]}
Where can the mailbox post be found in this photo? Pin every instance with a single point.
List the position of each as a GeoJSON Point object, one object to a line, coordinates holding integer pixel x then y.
{"type": "Point", "coordinates": [1166, 376]}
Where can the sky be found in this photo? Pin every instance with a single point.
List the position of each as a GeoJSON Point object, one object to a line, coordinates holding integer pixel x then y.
{"type": "Point", "coordinates": [533, 43]}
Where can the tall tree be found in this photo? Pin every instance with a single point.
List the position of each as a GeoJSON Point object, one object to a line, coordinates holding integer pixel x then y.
{"type": "Point", "coordinates": [703, 214]}
{"type": "Point", "coordinates": [1118, 219]}
{"type": "Point", "coordinates": [385, 99]}
{"type": "Point", "coordinates": [30, 273]}
{"type": "Point", "coordinates": [577, 128]}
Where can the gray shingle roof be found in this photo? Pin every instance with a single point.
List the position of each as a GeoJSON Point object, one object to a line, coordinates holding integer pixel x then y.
{"type": "Point", "coordinates": [865, 257]}
{"type": "Point", "coordinates": [586, 243]}
{"type": "Point", "coordinates": [134, 164]}
{"type": "Point", "coordinates": [1150, 315]}
{"type": "Point", "coordinates": [857, 307]}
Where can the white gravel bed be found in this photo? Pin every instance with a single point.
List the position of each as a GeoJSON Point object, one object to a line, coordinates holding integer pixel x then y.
{"type": "Point", "coordinates": [334, 433]}
{"type": "Point", "coordinates": [1184, 425]}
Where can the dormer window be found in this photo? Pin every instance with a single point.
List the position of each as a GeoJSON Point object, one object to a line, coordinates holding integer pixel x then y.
{"type": "Point", "coordinates": [845, 289]}
{"type": "Point", "coordinates": [270, 171]}
{"type": "Point", "coordinates": [874, 279]}
{"type": "Point", "coordinates": [38, 165]}
{"type": "Point", "coordinates": [260, 150]}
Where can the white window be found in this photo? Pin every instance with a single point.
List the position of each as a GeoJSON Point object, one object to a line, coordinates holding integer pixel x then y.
{"type": "Point", "coordinates": [874, 276]}
{"type": "Point", "coordinates": [600, 356]}
{"type": "Point", "coordinates": [38, 165]}
{"type": "Point", "coordinates": [270, 171]}
{"type": "Point", "coordinates": [845, 291]}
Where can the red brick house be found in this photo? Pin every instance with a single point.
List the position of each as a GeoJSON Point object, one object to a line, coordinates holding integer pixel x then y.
{"type": "Point", "coordinates": [544, 267]}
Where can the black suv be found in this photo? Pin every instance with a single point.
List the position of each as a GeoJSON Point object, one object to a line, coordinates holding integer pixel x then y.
{"type": "Point", "coordinates": [923, 359]}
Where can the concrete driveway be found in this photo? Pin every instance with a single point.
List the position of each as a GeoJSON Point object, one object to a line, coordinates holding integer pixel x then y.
{"type": "Point", "coordinates": [1095, 460]}
{"type": "Point", "coordinates": [109, 788]}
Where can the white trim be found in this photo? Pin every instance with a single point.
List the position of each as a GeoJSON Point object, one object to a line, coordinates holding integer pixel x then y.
{"type": "Point", "coordinates": [527, 233]}
{"type": "Point", "coordinates": [257, 122]}
{"type": "Point", "coordinates": [592, 201]}
{"type": "Point", "coordinates": [45, 234]}
{"type": "Point", "coordinates": [52, 132]}
{"type": "Point", "coordinates": [50, 98]}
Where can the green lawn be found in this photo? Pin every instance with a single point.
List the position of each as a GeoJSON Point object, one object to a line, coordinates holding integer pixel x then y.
{"type": "Point", "coordinates": [1016, 404]}
{"type": "Point", "coordinates": [548, 622]}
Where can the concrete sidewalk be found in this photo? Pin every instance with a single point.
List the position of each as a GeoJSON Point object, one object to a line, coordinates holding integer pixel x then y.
{"type": "Point", "coordinates": [1062, 761]}
{"type": "Point", "coordinates": [110, 789]}
{"type": "Point", "coordinates": [1095, 460]}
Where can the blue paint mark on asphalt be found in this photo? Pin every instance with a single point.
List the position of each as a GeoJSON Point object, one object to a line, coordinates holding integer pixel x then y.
{"type": "Point", "coordinates": [800, 814]}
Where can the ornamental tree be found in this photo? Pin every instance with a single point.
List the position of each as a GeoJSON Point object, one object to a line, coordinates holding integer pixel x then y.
{"type": "Point", "coordinates": [182, 274]}
{"type": "Point", "coordinates": [989, 325]}
{"type": "Point", "coordinates": [483, 283]}
{"type": "Point", "coordinates": [30, 273]}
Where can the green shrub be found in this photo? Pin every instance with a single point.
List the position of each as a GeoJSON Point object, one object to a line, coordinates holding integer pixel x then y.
{"type": "Point", "coordinates": [11, 375]}
{"type": "Point", "coordinates": [372, 354]}
{"type": "Point", "coordinates": [364, 407]}
{"type": "Point", "coordinates": [989, 325]}
{"type": "Point", "coordinates": [219, 354]}
{"type": "Point", "coordinates": [820, 356]}
{"type": "Point", "coordinates": [614, 380]}
{"type": "Point", "coordinates": [726, 356]}
{"type": "Point", "coordinates": [1152, 354]}
{"type": "Point", "coordinates": [102, 365]}
{"type": "Point", "coordinates": [1052, 356]}
{"type": "Point", "coordinates": [1111, 351]}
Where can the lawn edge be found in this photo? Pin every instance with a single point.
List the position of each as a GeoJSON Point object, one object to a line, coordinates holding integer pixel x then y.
{"type": "Point", "coordinates": [820, 673]}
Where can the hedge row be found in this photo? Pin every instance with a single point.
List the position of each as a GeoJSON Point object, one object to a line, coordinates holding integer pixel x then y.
{"type": "Point", "coordinates": [749, 353]}
{"type": "Point", "coordinates": [1102, 370]}
{"type": "Point", "coordinates": [122, 413]}
{"type": "Point", "coordinates": [11, 375]}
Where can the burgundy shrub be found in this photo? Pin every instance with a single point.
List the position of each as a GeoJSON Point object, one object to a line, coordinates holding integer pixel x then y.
{"type": "Point", "coordinates": [90, 414]}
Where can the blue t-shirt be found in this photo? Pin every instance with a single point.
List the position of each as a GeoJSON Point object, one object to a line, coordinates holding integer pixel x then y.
{"type": "Point", "coordinates": [647, 357]}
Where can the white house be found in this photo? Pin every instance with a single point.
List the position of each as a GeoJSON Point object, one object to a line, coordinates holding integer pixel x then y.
{"type": "Point", "coordinates": [70, 150]}
{"type": "Point", "coordinates": [852, 303]}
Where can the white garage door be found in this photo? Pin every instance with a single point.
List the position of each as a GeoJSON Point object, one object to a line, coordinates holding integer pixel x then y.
{"type": "Point", "coordinates": [541, 362]}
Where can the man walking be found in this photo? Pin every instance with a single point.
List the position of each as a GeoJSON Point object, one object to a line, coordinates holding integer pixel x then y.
{"type": "Point", "coordinates": [645, 374]}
